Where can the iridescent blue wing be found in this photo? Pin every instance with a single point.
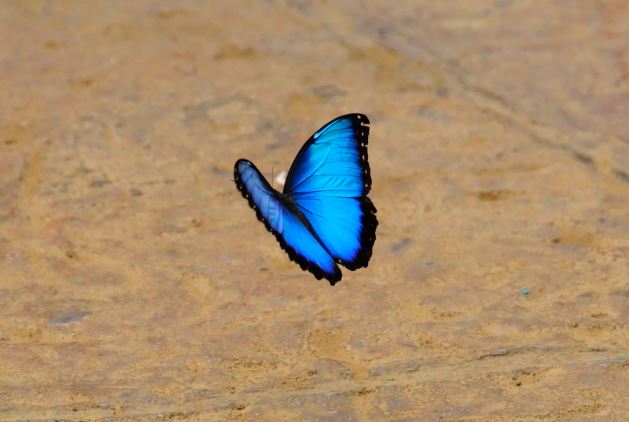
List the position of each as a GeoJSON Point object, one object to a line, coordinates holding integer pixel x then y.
{"type": "Point", "coordinates": [328, 183]}
{"type": "Point", "coordinates": [281, 218]}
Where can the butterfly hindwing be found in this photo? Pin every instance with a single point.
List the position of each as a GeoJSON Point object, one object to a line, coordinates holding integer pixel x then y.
{"type": "Point", "coordinates": [289, 226]}
{"type": "Point", "coordinates": [329, 182]}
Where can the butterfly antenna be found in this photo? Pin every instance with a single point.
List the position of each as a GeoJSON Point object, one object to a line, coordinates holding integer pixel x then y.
{"type": "Point", "coordinates": [272, 178]}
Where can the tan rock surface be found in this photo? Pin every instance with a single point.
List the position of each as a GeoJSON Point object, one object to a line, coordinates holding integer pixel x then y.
{"type": "Point", "coordinates": [135, 283]}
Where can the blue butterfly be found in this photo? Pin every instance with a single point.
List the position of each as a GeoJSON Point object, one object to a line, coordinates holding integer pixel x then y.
{"type": "Point", "coordinates": [323, 217]}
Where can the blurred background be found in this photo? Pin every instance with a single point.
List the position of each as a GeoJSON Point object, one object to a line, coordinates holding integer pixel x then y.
{"type": "Point", "coordinates": [136, 283]}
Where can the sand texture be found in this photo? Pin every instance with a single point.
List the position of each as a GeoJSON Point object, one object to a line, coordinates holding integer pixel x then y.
{"type": "Point", "coordinates": [136, 284]}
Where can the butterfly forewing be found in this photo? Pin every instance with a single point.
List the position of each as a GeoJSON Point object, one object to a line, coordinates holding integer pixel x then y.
{"type": "Point", "coordinates": [329, 181]}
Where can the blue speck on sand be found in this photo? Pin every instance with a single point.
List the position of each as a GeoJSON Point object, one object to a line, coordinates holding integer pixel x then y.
{"type": "Point", "coordinates": [524, 291]}
{"type": "Point", "coordinates": [69, 317]}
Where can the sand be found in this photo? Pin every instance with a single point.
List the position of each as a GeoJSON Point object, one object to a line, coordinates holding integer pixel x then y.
{"type": "Point", "coordinates": [136, 283]}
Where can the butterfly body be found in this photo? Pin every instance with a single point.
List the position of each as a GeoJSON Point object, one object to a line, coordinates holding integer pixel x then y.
{"type": "Point", "coordinates": [323, 217]}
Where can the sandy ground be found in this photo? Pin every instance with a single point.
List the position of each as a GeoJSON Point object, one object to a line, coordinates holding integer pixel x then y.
{"type": "Point", "coordinates": [136, 284]}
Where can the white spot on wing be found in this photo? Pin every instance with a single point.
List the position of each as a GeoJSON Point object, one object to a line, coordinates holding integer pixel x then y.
{"type": "Point", "coordinates": [281, 178]}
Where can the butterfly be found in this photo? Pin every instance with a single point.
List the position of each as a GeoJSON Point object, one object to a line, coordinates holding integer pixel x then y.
{"type": "Point", "coordinates": [323, 216]}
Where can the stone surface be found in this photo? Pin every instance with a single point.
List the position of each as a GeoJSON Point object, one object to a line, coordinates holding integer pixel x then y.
{"type": "Point", "coordinates": [135, 283]}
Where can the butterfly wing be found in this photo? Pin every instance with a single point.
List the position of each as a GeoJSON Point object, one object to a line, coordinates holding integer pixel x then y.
{"type": "Point", "coordinates": [328, 183]}
{"type": "Point", "coordinates": [285, 222]}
